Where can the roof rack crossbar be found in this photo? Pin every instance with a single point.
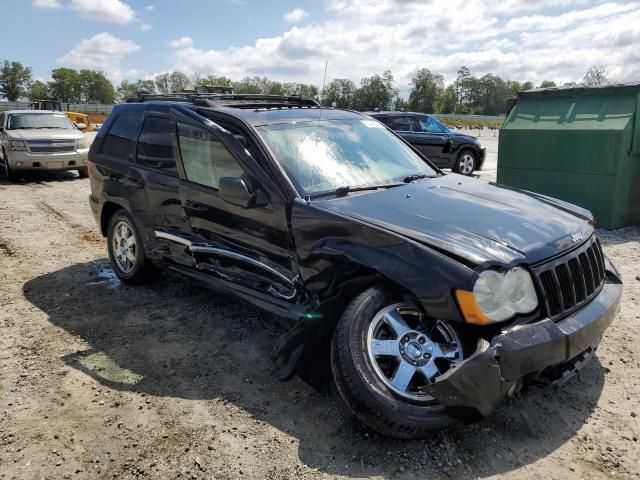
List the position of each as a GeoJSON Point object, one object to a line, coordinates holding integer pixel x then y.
{"type": "Point", "coordinates": [241, 100]}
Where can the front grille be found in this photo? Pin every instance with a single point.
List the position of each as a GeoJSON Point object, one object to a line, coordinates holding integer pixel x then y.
{"type": "Point", "coordinates": [53, 149]}
{"type": "Point", "coordinates": [572, 280]}
{"type": "Point", "coordinates": [52, 146]}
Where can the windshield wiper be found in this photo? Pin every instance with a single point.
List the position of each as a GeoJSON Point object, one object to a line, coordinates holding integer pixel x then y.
{"type": "Point", "coordinates": [342, 191]}
{"type": "Point", "coordinates": [417, 176]}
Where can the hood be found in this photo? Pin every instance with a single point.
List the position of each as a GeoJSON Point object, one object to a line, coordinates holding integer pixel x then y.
{"type": "Point", "coordinates": [466, 138]}
{"type": "Point", "coordinates": [44, 134]}
{"type": "Point", "coordinates": [479, 221]}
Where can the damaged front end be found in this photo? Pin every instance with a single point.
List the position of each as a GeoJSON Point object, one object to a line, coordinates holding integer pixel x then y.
{"type": "Point", "coordinates": [546, 350]}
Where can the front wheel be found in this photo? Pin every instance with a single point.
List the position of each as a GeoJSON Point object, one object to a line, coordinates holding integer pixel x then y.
{"type": "Point", "coordinates": [126, 250]}
{"type": "Point", "coordinates": [384, 355]}
{"type": "Point", "coordinates": [83, 172]}
{"type": "Point", "coordinates": [6, 169]}
{"type": "Point", "coordinates": [466, 162]}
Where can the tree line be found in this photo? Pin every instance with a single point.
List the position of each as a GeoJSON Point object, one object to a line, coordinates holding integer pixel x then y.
{"type": "Point", "coordinates": [178, 81]}
{"type": "Point", "coordinates": [467, 94]}
{"type": "Point", "coordinates": [66, 85]}
{"type": "Point", "coordinates": [428, 93]}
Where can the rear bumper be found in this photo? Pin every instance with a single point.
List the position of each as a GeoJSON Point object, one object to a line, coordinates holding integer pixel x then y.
{"type": "Point", "coordinates": [497, 367]}
{"type": "Point", "coordinates": [96, 208]}
{"type": "Point", "coordinates": [51, 161]}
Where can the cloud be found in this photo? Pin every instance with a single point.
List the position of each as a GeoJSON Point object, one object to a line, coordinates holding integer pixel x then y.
{"type": "Point", "coordinates": [145, 27]}
{"type": "Point", "coordinates": [101, 52]}
{"type": "Point", "coordinates": [181, 42]}
{"type": "Point", "coordinates": [150, 8]}
{"type": "Point", "coordinates": [295, 15]}
{"type": "Point", "coordinates": [115, 11]}
{"type": "Point", "coordinates": [47, 4]}
{"type": "Point", "coordinates": [550, 39]}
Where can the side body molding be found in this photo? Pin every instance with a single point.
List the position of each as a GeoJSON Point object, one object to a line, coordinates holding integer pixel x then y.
{"type": "Point", "coordinates": [196, 248]}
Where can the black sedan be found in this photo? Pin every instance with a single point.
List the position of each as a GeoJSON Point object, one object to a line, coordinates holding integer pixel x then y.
{"type": "Point", "coordinates": [444, 147]}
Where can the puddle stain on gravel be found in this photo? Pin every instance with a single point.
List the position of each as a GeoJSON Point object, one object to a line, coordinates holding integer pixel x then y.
{"type": "Point", "coordinates": [99, 364]}
{"type": "Point", "coordinates": [108, 278]}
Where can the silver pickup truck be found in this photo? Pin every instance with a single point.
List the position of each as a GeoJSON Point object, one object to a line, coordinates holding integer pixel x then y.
{"type": "Point", "coordinates": [41, 140]}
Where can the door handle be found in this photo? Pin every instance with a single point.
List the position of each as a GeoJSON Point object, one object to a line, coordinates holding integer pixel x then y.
{"type": "Point", "coordinates": [132, 182]}
{"type": "Point", "coordinates": [128, 181]}
{"type": "Point", "coordinates": [196, 206]}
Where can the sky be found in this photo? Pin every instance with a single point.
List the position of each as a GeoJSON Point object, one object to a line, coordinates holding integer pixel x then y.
{"type": "Point", "coordinates": [290, 40]}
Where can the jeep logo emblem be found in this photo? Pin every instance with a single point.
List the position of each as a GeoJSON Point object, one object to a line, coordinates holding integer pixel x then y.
{"type": "Point", "coordinates": [576, 237]}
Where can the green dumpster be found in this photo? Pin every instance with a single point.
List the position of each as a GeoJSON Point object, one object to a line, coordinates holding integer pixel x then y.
{"type": "Point", "coordinates": [579, 144]}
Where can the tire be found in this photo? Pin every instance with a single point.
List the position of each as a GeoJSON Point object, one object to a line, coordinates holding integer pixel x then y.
{"type": "Point", "coordinates": [83, 172]}
{"type": "Point", "coordinates": [130, 263]}
{"type": "Point", "coordinates": [359, 380]}
{"type": "Point", "coordinates": [466, 163]}
{"type": "Point", "coordinates": [6, 170]}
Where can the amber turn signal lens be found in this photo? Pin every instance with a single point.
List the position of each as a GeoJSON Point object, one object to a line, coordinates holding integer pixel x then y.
{"type": "Point", "coordinates": [470, 309]}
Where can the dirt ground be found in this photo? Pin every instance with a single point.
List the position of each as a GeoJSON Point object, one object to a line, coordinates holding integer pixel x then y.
{"type": "Point", "coordinates": [100, 380]}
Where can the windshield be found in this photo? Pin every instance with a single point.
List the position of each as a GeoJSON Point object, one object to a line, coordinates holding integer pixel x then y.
{"type": "Point", "coordinates": [325, 155]}
{"type": "Point", "coordinates": [38, 120]}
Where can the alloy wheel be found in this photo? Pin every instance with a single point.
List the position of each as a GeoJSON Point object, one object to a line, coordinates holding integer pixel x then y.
{"type": "Point", "coordinates": [409, 353]}
{"type": "Point", "coordinates": [124, 246]}
{"type": "Point", "coordinates": [466, 164]}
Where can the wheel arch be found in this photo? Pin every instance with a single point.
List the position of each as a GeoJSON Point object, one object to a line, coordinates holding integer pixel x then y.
{"type": "Point", "coordinates": [467, 146]}
{"type": "Point", "coordinates": [305, 349]}
{"type": "Point", "coordinates": [108, 210]}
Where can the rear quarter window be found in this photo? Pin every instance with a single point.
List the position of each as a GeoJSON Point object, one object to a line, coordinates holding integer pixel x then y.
{"type": "Point", "coordinates": [120, 141]}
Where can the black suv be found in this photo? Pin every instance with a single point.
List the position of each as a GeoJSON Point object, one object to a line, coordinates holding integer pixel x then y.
{"type": "Point", "coordinates": [444, 147]}
{"type": "Point", "coordinates": [430, 296]}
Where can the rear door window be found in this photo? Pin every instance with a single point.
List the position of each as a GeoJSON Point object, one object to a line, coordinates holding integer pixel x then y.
{"type": "Point", "coordinates": [402, 124]}
{"type": "Point", "coordinates": [120, 142]}
{"type": "Point", "coordinates": [155, 145]}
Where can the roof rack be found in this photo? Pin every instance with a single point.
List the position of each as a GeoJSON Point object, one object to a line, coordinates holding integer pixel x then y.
{"type": "Point", "coordinates": [235, 100]}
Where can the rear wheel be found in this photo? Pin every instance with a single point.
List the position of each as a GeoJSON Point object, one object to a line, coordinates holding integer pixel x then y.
{"type": "Point", "coordinates": [384, 355]}
{"type": "Point", "coordinates": [126, 250]}
{"type": "Point", "coordinates": [466, 162]}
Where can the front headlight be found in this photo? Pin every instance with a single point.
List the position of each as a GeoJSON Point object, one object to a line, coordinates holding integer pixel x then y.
{"type": "Point", "coordinates": [498, 296]}
{"type": "Point", "coordinates": [83, 143]}
{"type": "Point", "coordinates": [17, 146]}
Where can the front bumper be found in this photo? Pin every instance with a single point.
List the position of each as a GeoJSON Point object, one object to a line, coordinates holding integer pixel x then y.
{"type": "Point", "coordinates": [497, 367]}
{"type": "Point", "coordinates": [48, 161]}
{"type": "Point", "coordinates": [482, 154]}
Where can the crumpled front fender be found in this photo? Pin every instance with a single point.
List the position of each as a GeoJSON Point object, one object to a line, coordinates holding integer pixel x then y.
{"type": "Point", "coordinates": [496, 367]}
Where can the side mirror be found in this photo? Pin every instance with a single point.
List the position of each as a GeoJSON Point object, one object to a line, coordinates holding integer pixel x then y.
{"type": "Point", "coordinates": [234, 190]}
{"type": "Point", "coordinates": [80, 126]}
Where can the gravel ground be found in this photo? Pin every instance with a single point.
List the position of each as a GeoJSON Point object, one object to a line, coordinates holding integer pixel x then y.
{"type": "Point", "coordinates": [101, 380]}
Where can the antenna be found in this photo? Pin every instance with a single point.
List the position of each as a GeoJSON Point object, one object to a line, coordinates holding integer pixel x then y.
{"type": "Point", "coordinates": [326, 64]}
{"type": "Point", "coordinates": [324, 80]}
